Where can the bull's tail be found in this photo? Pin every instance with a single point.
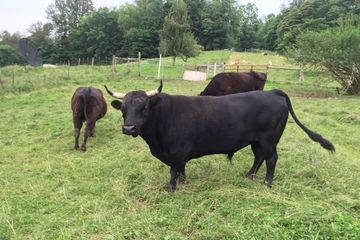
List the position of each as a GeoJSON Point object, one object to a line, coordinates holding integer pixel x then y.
{"type": "Point", "coordinates": [313, 135]}
{"type": "Point", "coordinates": [86, 96]}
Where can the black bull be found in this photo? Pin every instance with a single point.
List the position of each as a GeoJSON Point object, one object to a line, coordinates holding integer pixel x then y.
{"type": "Point", "coordinates": [180, 128]}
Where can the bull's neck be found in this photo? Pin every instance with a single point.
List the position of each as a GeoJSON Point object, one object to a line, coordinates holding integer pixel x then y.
{"type": "Point", "coordinates": [152, 129]}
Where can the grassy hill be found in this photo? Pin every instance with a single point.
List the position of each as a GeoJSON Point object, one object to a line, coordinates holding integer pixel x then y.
{"type": "Point", "coordinates": [116, 189]}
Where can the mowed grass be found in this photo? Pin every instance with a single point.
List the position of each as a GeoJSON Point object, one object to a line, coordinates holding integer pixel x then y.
{"type": "Point", "coordinates": [116, 189]}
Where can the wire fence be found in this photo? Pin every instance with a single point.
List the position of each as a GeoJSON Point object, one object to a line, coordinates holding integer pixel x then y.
{"type": "Point", "coordinates": [92, 70]}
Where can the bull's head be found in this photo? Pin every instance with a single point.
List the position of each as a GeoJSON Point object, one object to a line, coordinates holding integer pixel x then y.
{"type": "Point", "coordinates": [135, 107]}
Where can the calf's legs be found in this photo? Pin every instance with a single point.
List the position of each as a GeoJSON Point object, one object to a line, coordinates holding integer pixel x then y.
{"type": "Point", "coordinates": [77, 126]}
{"type": "Point", "coordinates": [88, 132]}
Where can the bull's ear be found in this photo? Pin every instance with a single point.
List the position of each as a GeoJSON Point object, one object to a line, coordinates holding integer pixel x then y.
{"type": "Point", "coordinates": [116, 104]}
{"type": "Point", "coordinates": [154, 100]}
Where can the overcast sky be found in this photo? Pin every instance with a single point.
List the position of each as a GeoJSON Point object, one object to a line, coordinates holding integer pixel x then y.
{"type": "Point", "coordinates": [18, 15]}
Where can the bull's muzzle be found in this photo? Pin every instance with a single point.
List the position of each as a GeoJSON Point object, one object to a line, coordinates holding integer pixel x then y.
{"type": "Point", "coordinates": [130, 130]}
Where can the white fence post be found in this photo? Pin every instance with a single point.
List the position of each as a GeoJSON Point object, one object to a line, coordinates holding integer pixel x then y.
{"type": "Point", "coordinates": [159, 68]}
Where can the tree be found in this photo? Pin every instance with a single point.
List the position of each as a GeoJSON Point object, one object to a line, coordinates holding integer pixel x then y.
{"type": "Point", "coordinates": [98, 34]}
{"type": "Point", "coordinates": [196, 10]}
{"type": "Point", "coordinates": [9, 55]}
{"type": "Point", "coordinates": [40, 33]}
{"type": "Point", "coordinates": [12, 40]}
{"type": "Point", "coordinates": [249, 25]}
{"type": "Point", "coordinates": [266, 35]}
{"type": "Point", "coordinates": [141, 24]}
{"type": "Point", "coordinates": [220, 25]}
{"type": "Point", "coordinates": [314, 15]}
{"type": "Point", "coordinates": [66, 14]}
{"type": "Point", "coordinates": [176, 38]}
{"type": "Point", "coordinates": [337, 50]}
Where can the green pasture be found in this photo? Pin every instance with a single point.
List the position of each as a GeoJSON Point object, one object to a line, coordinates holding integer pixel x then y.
{"type": "Point", "coordinates": [116, 189]}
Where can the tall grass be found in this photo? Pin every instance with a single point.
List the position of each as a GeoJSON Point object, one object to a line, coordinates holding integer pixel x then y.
{"type": "Point", "coordinates": [116, 189]}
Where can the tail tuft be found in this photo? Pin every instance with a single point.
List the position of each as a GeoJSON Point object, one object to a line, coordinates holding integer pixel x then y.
{"type": "Point", "coordinates": [322, 141]}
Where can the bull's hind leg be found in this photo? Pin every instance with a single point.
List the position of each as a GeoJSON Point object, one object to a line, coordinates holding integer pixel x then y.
{"type": "Point", "coordinates": [270, 168]}
{"type": "Point", "coordinates": [181, 174]}
{"type": "Point", "coordinates": [259, 159]}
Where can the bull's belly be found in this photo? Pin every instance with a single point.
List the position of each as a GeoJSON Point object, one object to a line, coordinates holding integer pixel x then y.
{"type": "Point", "coordinates": [219, 148]}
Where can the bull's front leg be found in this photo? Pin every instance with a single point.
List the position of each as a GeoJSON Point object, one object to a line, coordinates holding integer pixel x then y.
{"type": "Point", "coordinates": [173, 178]}
{"type": "Point", "coordinates": [177, 173]}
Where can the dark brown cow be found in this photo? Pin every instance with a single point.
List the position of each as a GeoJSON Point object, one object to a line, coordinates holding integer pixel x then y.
{"type": "Point", "coordinates": [234, 82]}
{"type": "Point", "coordinates": [88, 105]}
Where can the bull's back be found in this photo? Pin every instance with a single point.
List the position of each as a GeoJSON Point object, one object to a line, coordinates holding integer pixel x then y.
{"type": "Point", "coordinates": [225, 124]}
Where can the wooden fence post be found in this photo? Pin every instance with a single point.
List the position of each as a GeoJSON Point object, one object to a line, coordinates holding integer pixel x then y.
{"type": "Point", "coordinates": [13, 76]}
{"type": "Point", "coordinates": [301, 73]}
{"type": "Point", "coordinates": [1, 83]}
{"type": "Point", "coordinates": [139, 63]}
{"type": "Point", "coordinates": [113, 67]}
{"type": "Point", "coordinates": [92, 61]}
{"type": "Point", "coordinates": [68, 73]}
{"type": "Point", "coordinates": [207, 68]}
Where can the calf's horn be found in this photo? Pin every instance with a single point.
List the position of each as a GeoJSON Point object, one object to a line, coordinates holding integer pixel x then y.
{"type": "Point", "coordinates": [156, 91]}
{"type": "Point", "coordinates": [115, 94]}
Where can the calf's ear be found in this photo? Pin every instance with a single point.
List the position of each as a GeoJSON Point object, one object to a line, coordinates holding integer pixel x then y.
{"type": "Point", "coordinates": [116, 104]}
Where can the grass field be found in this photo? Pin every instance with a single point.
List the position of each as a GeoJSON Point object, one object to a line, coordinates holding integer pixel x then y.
{"type": "Point", "coordinates": [116, 189]}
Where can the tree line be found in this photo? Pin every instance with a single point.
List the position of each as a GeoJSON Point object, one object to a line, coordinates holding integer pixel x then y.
{"type": "Point", "coordinates": [178, 28]}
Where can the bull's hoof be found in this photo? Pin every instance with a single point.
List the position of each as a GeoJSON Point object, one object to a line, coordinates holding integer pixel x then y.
{"type": "Point", "coordinates": [76, 147]}
{"type": "Point", "coordinates": [268, 183]}
{"type": "Point", "coordinates": [83, 148]}
{"type": "Point", "coordinates": [170, 188]}
{"type": "Point", "coordinates": [251, 176]}
{"type": "Point", "coordinates": [182, 179]}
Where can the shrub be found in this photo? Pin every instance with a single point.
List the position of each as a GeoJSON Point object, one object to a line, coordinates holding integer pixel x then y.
{"type": "Point", "coordinates": [335, 50]}
{"type": "Point", "coordinates": [9, 55]}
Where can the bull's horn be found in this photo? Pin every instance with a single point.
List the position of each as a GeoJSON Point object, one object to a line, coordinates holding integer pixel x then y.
{"type": "Point", "coordinates": [115, 94]}
{"type": "Point", "coordinates": [154, 92]}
